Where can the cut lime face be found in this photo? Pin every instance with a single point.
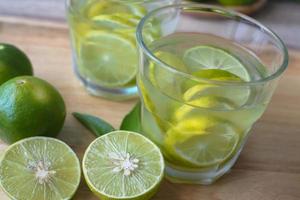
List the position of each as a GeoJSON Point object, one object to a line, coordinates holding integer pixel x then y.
{"type": "Point", "coordinates": [108, 59]}
{"type": "Point", "coordinates": [123, 165]}
{"type": "Point", "coordinates": [201, 141]}
{"type": "Point", "coordinates": [208, 57]}
{"type": "Point", "coordinates": [39, 168]}
{"type": "Point", "coordinates": [114, 21]}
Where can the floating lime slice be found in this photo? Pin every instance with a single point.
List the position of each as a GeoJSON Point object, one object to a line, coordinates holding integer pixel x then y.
{"type": "Point", "coordinates": [105, 7]}
{"type": "Point", "coordinates": [123, 165]}
{"type": "Point", "coordinates": [208, 57]}
{"type": "Point", "coordinates": [114, 21]}
{"type": "Point", "coordinates": [201, 141]}
{"type": "Point", "coordinates": [111, 64]}
{"type": "Point", "coordinates": [39, 168]}
{"type": "Point", "coordinates": [234, 95]}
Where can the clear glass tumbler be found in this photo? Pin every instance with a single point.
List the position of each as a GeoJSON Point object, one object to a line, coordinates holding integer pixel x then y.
{"type": "Point", "coordinates": [203, 83]}
{"type": "Point", "coordinates": [105, 56]}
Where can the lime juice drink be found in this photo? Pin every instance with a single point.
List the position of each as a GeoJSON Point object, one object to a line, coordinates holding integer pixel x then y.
{"type": "Point", "coordinates": [104, 45]}
{"type": "Point", "coordinates": [203, 90]}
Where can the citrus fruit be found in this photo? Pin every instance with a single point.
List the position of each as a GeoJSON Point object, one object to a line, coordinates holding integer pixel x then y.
{"type": "Point", "coordinates": [113, 21]}
{"type": "Point", "coordinates": [39, 168]}
{"type": "Point", "coordinates": [29, 107]}
{"type": "Point", "coordinates": [123, 165]}
{"type": "Point", "coordinates": [111, 64]}
{"type": "Point", "coordinates": [13, 62]}
{"type": "Point", "coordinates": [201, 141]}
{"type": "Point", "coordinates": [208, 57]}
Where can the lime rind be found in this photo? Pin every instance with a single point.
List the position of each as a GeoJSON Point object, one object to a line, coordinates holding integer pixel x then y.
{"type": "Point", "coordinates": [115, 145]}
{"type": "Point", "coordinates": [27, 178]}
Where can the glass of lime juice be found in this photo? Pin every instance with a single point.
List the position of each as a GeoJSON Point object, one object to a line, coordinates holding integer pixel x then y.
{"type": "Point", "coordinates": [204, 82]}
{"type": "Point", "coordinates": [105, 56]}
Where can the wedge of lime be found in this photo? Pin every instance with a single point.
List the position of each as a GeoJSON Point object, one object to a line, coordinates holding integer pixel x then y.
{"type": "Point", "coordinates": [208, 57]}
{"type": "Point", "coordinates": [39, 168]}
{"type": "Point", "coordinates": [123, 165]}
{"type": "Point", "coordinates": [111, 64]}
{"type": "Point", "coordinates": [201, 141]}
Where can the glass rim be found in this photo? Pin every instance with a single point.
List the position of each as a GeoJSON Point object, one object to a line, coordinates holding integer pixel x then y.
{"type": "Point", "coordinates": [218, 10]}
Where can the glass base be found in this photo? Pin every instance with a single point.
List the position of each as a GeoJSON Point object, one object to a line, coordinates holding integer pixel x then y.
{"type": "Point", "coordinates": [202, 177]}
{"type": "Point", "coordinates": [116, 94]}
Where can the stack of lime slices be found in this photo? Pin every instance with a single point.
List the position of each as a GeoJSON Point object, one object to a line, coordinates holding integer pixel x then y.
{"type": "Point", "coordinates": [108, 51]}
{"type": "Point", "coordinates": [198, 137]}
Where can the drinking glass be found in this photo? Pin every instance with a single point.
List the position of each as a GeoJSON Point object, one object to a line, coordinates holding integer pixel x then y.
{"type": "Point", "coordinates": [204, 82]}
{"type": "Point", "coordinates": [104, 46]}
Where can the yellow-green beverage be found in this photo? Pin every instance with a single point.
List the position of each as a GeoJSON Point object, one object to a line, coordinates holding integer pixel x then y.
{"type": "Point", "coordinates": [201, 94]}
{"type": "Point", "coordinates": [104, 46]}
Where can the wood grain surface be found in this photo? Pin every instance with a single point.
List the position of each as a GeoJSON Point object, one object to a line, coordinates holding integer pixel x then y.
{"type": "Point", "coordinates": [268, 168]}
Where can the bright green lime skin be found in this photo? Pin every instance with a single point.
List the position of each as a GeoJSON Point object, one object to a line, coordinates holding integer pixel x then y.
{"type": "Point", "coordinates": [235, 2]}
{"type": "Point", "coordinates": [13, 62]}
{"type": "Point", "coordinates": [30, 107]}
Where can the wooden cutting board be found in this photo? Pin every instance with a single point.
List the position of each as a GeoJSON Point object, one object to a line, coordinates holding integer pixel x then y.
{"type": "Point", "coordinates": [268, 168]}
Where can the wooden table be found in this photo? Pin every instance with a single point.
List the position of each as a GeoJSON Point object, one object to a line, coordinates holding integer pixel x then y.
{"type": "Point", "coordinates": [268, 168]}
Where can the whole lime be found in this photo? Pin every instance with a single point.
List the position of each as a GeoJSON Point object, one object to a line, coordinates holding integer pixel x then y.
{"type": "Point", "coordinates": [13, 62]}
{"type": "Point", "coordinates": [235, 2]}
{"type": "Point", "coordinates": [30, 107]}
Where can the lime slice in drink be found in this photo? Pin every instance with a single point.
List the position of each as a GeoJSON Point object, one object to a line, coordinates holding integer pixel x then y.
{"type": "Point", "coordinates": [106, 7]}
{"type": "Point", "coordinates": [39, 168]}
{"type": "Point", "coordinates": [208, 57]}
{"type": "Point", "coordinates": [123, 165]}
{"type": "Point", "coordinates": [113, 21]}
{"type": "Point", "coordinates": [201, 141]}
{"type": "Point", "coordinates": [108, 59]}
{"type": "Point", "coordinates": [237, 95]}
{"type": "Point", "coordinates": [162, 76]}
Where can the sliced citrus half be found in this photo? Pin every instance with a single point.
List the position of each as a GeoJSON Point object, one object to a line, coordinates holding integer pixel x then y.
{"type": "Point", "coordinates": [108, 59]}
{"type": "Point", "coordinates": [39, 168]}
{"type": "Point", "coordinates": [123, 165]}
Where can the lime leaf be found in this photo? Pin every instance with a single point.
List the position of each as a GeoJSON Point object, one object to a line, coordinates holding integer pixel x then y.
{"type": "Point", "coordinates": [132, 121]}
{"type": "Point", "coordinates": [96, 125]}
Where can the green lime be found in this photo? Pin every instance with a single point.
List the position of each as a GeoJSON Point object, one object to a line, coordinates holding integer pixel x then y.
{"type": "Point", "coordinates": [39, 168]}
{"type": "Point", "coordinates": [123, 165]}
{"type": "Point", "coordinates": [13, 62]}
{"type": "Point", "coordinates": [208, 57]}
{"type": "Point", "coordinates": [111, 64]}
{"type": "Point", "coordinates": [235, 2]}
{"type": "Point", "coordinates": [201, 141]}
{"type": "Point", "coordinates": [29, 107]}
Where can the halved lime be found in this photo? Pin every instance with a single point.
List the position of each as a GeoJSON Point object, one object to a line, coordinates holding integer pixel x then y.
{"type": "Point", "coordinates": [123, 165]}
{"type": "Point", "coordinates": [108, 59]}
{"type": "Point", "coordinates": [39, 168]}
{"type": "Point", "coordinates": [201, 141]}
{"type": "Point", "coordinates": [208, 57]}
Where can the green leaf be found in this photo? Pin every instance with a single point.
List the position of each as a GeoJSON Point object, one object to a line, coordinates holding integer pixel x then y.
{"type": "Point", "coordinates": [96, 125]}
{"type": "Point", "coordinates": [132, 121]}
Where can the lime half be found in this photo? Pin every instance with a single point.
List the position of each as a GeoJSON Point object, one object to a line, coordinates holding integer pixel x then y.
{"type": "Point", "coordinates": [201, 141]}
{"type": "Point", "coordinates": [108, 59]}
{"type": "Point", "coordinates": [123, 165]}
{"type": "Point", "coordinates": [39, 168]}
{"type": "Point", "coordinates": [208, 57]}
